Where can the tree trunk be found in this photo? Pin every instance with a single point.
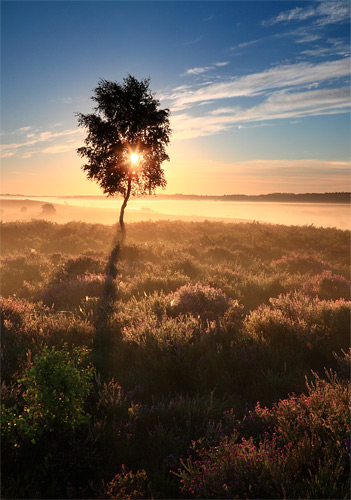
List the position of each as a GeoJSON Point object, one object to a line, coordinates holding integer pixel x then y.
{"type": "Point", "coordinates": [121, 215]}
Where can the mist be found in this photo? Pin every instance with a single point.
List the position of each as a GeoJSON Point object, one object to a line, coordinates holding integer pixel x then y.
{"type": "Point", "coordinates": [106, 211]}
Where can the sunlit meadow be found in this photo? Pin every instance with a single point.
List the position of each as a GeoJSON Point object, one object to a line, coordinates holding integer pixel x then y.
{"type": "Point", "coordinates": [213, 362]}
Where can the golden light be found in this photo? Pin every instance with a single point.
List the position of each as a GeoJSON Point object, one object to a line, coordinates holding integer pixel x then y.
{"type": "Point", "coordinates": [134, 157]}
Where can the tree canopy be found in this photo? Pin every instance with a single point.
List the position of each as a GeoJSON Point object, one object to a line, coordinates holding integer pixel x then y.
{"type": "Point", "coordinates": [126, 140]}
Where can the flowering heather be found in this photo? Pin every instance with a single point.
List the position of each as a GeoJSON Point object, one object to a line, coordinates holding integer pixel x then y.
{"type": "Point", "coordinates": [165, 334]}
{"type": "Point", "coordinates": [295, 318]}
{"type": "Point", "coordinates": [128, 485]}
{"type": "Point", "coordinates": [202, 336]}
{"type": "Point", "coordinates": [199, 300]}
{"type": "Point", "coordinates": [26, 327]}
{"type": "Point", "coordinates": [327, 286]}
{"type": "Point", "coordinates": [300, 263]}
{"type": "Point", "coordinates": [69, 294]}
{"type": "Point", "coordinates": [302, 453]}
{"type": "Point", "coordinates": [151, 281]}
{"type": "Point", "coordinates": [19, 271]}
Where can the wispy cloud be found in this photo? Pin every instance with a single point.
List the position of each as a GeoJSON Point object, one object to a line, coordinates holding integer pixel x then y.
{"type": "Point", "coordinates": [308, 38]}
{"type": "Point", "coordinates": [291, 75]}
{"type": "Point", "coordinates": [280, 105]}
{"type": "Point", "coordinates": [323, 13]}
{"type": "Point", "coordinates": [192, 42]}
{"type": "Point", "coordinates": [24, 129]}
{"type": "Point", "coordinates": [198, 70]}
{"type": "Point", "coordinates": [243, 45]}
{"type": "Point", "coordinates": [331, 47]}
{"type": "Point", "coordinates": [64, 141]}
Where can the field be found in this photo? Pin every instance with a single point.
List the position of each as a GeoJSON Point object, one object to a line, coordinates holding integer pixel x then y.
{"type": "Point", "coordinates": [199, 360]}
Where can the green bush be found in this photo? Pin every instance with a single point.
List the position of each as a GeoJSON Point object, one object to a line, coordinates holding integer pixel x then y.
{"type": "Point", "coordinates": [55, 390]}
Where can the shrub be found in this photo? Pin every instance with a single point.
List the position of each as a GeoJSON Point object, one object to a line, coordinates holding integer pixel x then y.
{"type": "Point", "coordinates": [56, 387]}
{"type": "Point", "coordinates": [327, 286]}
{"type": "Point", "coordinates": [26, 327]}
{"type": "Point", "coordinates": [199, 300]}
{"type": "Point", "coordinates": [172, 354]}
{"type": "Point", "coordinates": [82, 265]}
{"type": "Point", "coordinates": [300, 263]}
{"type": "Point", "coordinates": [16, 270]}
{"type": "Point", "coordinates": [296, 318]}
{"type": "Point", "coordinates": [303, 452]}
{"type": "Point", "coordinates": [69, 294]}
{"type": "Point", "coordinates": [152, 281]}
{"type": "Point", "coordinates": [127, 485]}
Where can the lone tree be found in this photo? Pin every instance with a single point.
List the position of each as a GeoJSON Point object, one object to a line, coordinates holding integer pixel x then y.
{"type": "Point", "coordinates": [126, 138]}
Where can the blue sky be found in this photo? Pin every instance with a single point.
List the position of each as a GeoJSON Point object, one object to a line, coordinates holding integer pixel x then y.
{"type": "Point", "coordinates": [259, 91]}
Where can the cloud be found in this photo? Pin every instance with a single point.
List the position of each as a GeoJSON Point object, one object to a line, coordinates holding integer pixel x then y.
{"type": "Point", "coordinates": [221, 64]}
{"type": "Point", "coordinates": [308, 38]}
{"type": "Point", "coordinates": [40, 139]}
{"type": "Point", "coordinates": [285, 104]}
{"type": "Point", "coordinates": [198, 70]}
{"type": "Point", "coordinates": [24, 129]}
{"type": "Point", "coordinates": [331, 47]}
{"type": "Point", "coordinates": [282, 104]}
{"type": "Point", "coordinates": [243, 45]}
{"type": "Point", "coordinates": [203, 69]}
{"type": "Point", "coordinates": [256, 83]}
{"type": "Point", "coordinates": [325, 12]}
{"type": "Point", "coordinates": [192, 42]}
{"type": "Point", "coordinates": [297, 14]}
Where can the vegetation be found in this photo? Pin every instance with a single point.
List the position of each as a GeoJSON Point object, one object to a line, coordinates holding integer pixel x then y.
{"type": "Point", "coordinates": [226, 373]}
{"type": "Point", "coordinates": [344, 197]}
{"type": "Point", "coordinates": [126, 139]}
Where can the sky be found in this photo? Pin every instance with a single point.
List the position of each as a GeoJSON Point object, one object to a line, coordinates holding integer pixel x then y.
{"type": "Point", "coordinates": [258, 91]}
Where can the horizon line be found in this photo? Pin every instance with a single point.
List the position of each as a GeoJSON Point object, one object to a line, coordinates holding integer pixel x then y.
{"type": "Point", "coordinates": [174, 194]}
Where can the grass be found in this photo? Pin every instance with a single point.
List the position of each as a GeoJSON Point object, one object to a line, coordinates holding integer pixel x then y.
{"type": "Point", "coordinates": [215, 362]}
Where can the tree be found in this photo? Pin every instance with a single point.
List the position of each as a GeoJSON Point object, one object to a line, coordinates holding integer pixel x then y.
{"type": "Point", "coordinates": [126, 138]}
{"type": "Point", "coordinates": [48, 209]}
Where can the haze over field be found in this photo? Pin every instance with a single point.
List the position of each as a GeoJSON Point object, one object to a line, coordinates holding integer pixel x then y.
{"type": "Point", "coordinates": [258, 91]}
{"type": "Point", "coordinates": [106, 211]}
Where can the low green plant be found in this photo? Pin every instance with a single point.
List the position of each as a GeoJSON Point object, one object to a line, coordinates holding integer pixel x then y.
{"type": "Point", "coordinates": [55, 390]}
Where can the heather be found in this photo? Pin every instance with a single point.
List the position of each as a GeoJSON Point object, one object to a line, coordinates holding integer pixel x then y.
{"type": "Point", "coordinates": [198, 360]}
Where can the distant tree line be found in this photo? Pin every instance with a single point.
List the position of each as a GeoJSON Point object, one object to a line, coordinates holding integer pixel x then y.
{"type": "Point", "coordinates": [272, 197]}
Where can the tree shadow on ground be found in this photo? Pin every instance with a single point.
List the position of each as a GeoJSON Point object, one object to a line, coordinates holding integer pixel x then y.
{"type": "Point", "coordinates": [103, 340]}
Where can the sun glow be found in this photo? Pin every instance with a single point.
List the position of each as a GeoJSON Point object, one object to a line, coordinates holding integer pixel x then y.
{"type": "Point", "coordinates": [134, 158]}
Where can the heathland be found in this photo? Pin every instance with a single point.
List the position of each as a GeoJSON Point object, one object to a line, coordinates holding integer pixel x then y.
{"type": "Point", "coordinates": [199, 360]}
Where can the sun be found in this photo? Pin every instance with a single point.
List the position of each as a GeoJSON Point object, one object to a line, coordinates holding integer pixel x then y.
{"type": "Point", "coordinates": [134, 157]}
